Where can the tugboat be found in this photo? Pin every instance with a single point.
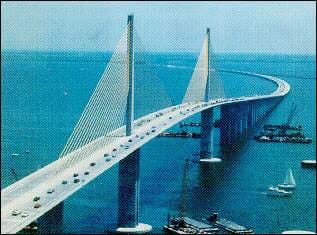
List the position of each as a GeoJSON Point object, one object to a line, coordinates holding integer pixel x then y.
{"type": "Point", "coordinates": [183, 224]}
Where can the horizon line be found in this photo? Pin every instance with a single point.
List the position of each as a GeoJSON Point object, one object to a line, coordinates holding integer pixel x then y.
{"type": "Point", "coordinates": [155, 52]}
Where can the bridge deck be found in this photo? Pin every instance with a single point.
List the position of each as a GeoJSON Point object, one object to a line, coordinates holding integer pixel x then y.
{"type": "Point", "coordinates": [20, 194]}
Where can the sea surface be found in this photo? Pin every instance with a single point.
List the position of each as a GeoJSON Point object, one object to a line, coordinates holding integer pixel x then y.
{"type": "Point", "coordinates": [44, 93]}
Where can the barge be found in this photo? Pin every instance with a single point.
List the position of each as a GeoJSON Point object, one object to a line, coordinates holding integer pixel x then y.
{"type": "Point", "coordinates": [182, 134]}
{"type": "Point", "coordinates": [227, 225]}
{"type": "Point", "coordinates": [187, 225]}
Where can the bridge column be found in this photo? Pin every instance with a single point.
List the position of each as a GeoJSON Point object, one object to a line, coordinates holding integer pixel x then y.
{"type": "Point", "coordinates": [235, 128]}
{"type": "Point", "coordinates": [52, 221]}
{"type": "Point", "coordinates": [130, 72]}
{"type": "Point", "coordinates": [249, 117]}
{"type": "Point", "coordinates": [206, 133]}
{"type": "Point", "coordinates": [235, 121]}
{"type": "Point", "coordinates": [129, 191]}
{"type": "Point", "coordinates": [224, 125]}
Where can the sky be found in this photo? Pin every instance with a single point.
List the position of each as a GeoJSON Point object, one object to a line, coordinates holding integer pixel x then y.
{"type": "Point", "coordinates": [236, 27]}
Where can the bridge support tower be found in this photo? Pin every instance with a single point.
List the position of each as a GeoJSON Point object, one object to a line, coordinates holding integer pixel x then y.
{"type": "Point", "coordinates": [206, 143]}
{"type": "Point", "coordinates": [129, 196]}
{"type": "Point", "coordinates": [129, 184]}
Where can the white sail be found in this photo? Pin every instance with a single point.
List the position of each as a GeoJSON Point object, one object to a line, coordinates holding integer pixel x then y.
{"type": "Point", "coordinates": [289, 178]}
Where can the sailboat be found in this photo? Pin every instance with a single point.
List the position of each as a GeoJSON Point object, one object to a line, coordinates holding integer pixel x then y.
{"type": "Point", "coordinates": [289, 181]}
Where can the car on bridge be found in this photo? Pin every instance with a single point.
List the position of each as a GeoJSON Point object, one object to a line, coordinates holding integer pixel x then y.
{"type": "Point", "coordinates": [36, 199]}
{"type": "Point", "coordinates": [24, 214]}
{"type": "Point", "coordinates": [76, 180]}
{"type": "Point", "coordinates": [50, 190]}
{"type": "Point", "coordinates": [64, 182]}
{"type": "Point", "coordinates": [37, 205]}
{"type": "Point", "coordinates": [92, 164]}
{"type": "Point", "coordinates": [16, 212]}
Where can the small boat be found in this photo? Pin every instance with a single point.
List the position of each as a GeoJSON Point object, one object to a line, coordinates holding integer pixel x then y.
{"type": "Point", "coordinates": [15, 154]}
{"type": "Point", "coordinates": [309, 163]}
{"type": "Point", "coordinates": [289, 181]}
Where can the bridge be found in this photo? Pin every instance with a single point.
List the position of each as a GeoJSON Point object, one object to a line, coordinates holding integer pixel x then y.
{"type": "Point", "coordinates": [107, 134]}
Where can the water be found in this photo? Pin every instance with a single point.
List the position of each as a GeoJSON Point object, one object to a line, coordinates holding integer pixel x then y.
{"type": "Point", "coordinates": [43, 95]}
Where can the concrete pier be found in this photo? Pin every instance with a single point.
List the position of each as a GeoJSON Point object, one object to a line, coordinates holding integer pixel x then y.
{"type": "Point", "coordinates": [129, 196]}
{"type": "Point", "coordinates": [206, 133]}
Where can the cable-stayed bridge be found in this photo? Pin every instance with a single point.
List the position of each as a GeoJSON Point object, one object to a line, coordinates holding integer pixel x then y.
{"type": "Point", "coordinates": [108, 133]}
